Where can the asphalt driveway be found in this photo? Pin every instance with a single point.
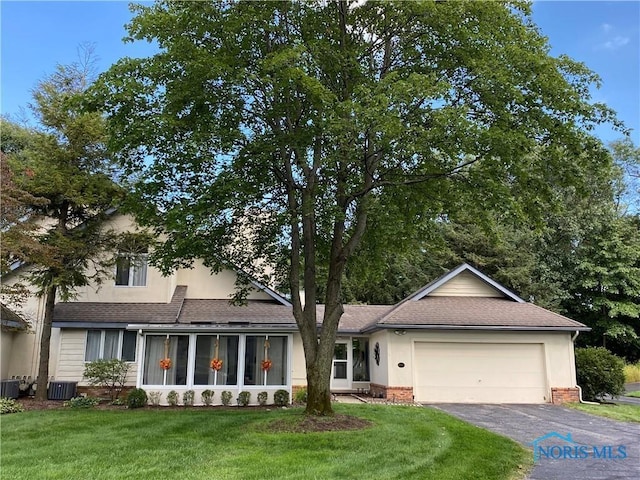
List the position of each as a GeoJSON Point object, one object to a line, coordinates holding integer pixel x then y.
{"type": "Point", "coordinates": [571, 445]}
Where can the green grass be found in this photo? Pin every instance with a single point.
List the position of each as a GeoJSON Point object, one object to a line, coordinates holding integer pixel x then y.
{"type": "Point", "coordinates": [624, 413]}
{"type": "Point", "coordinates": [404, 442]}
{"type": "Point", "coordinates": [632, 394]}
{"type": "Point", "coordinates": [632, 373]}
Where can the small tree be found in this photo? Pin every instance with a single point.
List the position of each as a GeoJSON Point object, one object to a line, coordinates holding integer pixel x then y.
{"type": "Point", "coordinates": [110, 374]}
{"type": "Point", "coordinates": [599, 372]}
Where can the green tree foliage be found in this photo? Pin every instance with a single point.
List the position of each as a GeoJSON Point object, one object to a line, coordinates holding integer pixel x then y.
{"type": "Point", "coordinates": [288, 130]}
{"type": "Point", "coordinates": [64, 161]}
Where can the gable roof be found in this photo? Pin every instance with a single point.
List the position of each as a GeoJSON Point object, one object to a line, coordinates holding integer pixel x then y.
{"type": "Point", "coordinates": [465, 267]}
{"type": "Point", "coordinates": [424, 310]}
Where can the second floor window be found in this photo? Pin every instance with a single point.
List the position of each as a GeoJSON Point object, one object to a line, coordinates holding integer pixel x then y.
{"type": "Point", "coordinates": [131, 270]}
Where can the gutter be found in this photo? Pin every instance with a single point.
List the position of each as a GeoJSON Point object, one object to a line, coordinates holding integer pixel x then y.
{"type": "Point", "coordinates": [222, 328]}
{"type": "Point", "coordinates": [472, 327]}
{"type": "Point", "coordinates": [573, 339]}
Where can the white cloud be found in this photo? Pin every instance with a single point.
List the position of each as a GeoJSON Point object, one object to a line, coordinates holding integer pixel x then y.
{"type": "Point", "coordinates": [616, 42]}
{"type": "Point", "coordinates": [610, 38]}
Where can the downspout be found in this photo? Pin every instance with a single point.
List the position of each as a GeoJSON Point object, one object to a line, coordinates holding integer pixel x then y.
{"type": "Point", "coordinates": [573, 339]}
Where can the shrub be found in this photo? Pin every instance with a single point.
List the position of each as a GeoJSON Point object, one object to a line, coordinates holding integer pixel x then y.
{"type": "Point", "coordinates": [172, 398]}
{"type": "Point", "coordinates": [110, 374]}
{"type": "Point", "coordinates": [262, 398]}
{"type": "Point", "coordinates": [9, 405]}
{"type": "Point", "coordinates": [599, 372]}
{"type": "Point", "coordinates": [82, 402]}
{"type": "Point", "coordinates": [632, 373]}
{"type": "Point", "coordinates": [188, 397]}
{"type": "Point", "coordinates": [207, 397]}
{"type": "Point", "coordinates": [137, 398]}
{"type": "Point", "coordinates": [281, 398]}
{"type": "Point", "coordinates": [300, 396]}
{"type": "Point", "coordinates": [226, 398]}
{"type": "Point", "coordinates": [244, 398]}
{"type": "Point", "coordinates": [154, 398]}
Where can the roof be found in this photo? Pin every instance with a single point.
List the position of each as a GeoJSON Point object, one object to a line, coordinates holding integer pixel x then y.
{"type": "Point", "coordinates": [10, 320]}
{"type": "Point", "coordinates": [421, 310]}
{"type": "Point", "coordinates": [487, 312]}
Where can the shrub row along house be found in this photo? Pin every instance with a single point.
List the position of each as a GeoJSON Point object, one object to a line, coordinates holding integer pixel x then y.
{"type": "Point", "coordinates": [461, 338]}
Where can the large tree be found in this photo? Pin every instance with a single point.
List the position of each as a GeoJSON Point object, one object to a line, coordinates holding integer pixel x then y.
{"type": "Point", "coordinates": [67, 173]}
{"type": "Point", "coordinates": [264, 131]}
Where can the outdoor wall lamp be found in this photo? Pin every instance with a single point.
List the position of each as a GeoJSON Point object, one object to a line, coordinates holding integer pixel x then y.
{"type": "Point", "coordinates": [400, 332]}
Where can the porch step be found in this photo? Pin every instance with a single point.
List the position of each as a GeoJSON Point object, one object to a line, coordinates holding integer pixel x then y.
{"type": "Point", "coordinates": [347, 398]}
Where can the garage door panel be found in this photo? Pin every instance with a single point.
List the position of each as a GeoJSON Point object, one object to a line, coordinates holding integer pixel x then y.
{"type": "Point", "coordinates": [480, 372]}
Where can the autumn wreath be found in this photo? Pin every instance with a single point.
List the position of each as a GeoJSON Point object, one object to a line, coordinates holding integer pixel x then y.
{"type": "Point", "coordinates": [216, 364]}
{"type": "Point", "coordinates": [266, 364]}
{"type": "Point", "coordinates": [165, 363]}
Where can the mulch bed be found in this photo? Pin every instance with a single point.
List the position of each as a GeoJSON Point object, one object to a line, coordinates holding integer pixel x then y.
{"type": "Point", "coordinates": [306, 424]}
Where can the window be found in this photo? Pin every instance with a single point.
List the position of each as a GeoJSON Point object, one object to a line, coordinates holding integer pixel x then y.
{"type": "Point", "coordinates": [242, 359]}
{"type": "Point", "coordinates": [223, 347]}
{"type": "Point", "coordinates": [360, 360]}
{"type": "Point", "coordinates": [108, 344]}
{"type": "Point", "coordinates": [131, 270]}
{"type": "Point", "coordinates": [174, 347]}
{"type": "Point", "coordinates": [259, 348]}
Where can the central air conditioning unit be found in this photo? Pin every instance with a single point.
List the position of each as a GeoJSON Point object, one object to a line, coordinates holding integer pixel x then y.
{"type": "Point", "coordinates": [62, 390]}
{"type": "Point", "coordinates": [10, 388]}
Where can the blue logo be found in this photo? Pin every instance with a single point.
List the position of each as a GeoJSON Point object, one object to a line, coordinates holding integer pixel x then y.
{"type": "Point", "coordinates": [554, 446]}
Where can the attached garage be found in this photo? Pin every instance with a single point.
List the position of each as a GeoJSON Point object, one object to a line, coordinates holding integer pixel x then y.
{"type": "Point", "coordinates": [480, 372]}
{"type": "Point", "coordinates": [464, 338]}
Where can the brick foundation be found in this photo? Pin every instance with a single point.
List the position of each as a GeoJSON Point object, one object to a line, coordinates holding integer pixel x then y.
{"type": "Point", "coordinates": [564, 395]}
{"type": "Point", "coordinates": [295, 389]}
{"type": "Point", "coordinates": [394, 394]}
{"type": "Point", "coordinates": [100, 392]}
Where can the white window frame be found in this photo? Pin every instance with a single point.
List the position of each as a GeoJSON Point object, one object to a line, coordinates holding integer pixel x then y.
{"type": "Point", "coordinates": [133, 269]}
{"type": "Point", "coordinates": [191, 360]}
{"type": "Point", "coordinates": [102, 341]}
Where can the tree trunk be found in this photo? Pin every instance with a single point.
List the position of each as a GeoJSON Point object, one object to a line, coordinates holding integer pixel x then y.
{"type": "Point", "coordinates": [318, 387]}
{"type": "Point", "coordinates": [45, 344]}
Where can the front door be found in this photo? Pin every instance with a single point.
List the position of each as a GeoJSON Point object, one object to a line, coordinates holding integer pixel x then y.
{"type": "Point", "coordinates": [340, 374]}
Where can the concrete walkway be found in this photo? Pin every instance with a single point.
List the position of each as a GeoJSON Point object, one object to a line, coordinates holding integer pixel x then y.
{"type": "Point", "coordinates": [528, 423]}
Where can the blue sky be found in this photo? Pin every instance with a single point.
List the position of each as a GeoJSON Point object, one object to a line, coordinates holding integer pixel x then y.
{"type": "Point", "coordinates": [38, 35]}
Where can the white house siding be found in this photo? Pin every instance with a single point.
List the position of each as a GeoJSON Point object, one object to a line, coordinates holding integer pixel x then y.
{"type": "Point", "coordinates": [379, 374]}
{"type": "Point", "coordinates": [298, 369]}
{"type": "Point", "coordinates": [203, 284]}
{"type": "Point", "coordinates": [556, 361]}
{"type": "Point", "coordinates": [70, 366]}
{"type": "Point", "coordinates": [466, 285]}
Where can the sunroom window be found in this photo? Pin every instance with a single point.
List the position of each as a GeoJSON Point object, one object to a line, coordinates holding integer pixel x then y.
{"type": "Point", "coordinates": [159, 347]}
{"type": "Point", "coordinates": [220, 347]}
{"type": "Point", "coordinates": [260, 349]}
{"type": "Point", "coordinates": [108, 344]}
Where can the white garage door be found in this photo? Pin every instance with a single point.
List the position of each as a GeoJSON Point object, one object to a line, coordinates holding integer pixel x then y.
{"type": "Point", "coordinates": [480, 373]}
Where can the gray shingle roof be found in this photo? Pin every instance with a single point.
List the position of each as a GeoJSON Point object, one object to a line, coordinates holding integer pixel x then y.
{"type": "Point", "coordinates": [474, 311]}
{"type": "Point", "coordinates": [413, 312]}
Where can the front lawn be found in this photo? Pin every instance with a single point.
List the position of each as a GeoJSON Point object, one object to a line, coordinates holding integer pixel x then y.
{"type": "Point", "coordinates": [624, 413]}
{"type": "Point", "coordinates": [200, 443]}
{"type": "Point", "coordinates": [632, 394]}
